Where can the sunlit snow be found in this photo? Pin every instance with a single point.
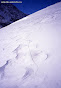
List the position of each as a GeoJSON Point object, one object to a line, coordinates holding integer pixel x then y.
{"type": "Point", "coordinates": [30, 51]}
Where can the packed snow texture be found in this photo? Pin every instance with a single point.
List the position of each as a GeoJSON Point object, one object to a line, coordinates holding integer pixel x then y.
{"type": "Point", "coordinates": [30, 51]}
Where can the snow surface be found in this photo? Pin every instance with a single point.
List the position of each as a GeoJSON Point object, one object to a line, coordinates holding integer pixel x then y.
{"type": "Point", "coordinates": [30, 51]}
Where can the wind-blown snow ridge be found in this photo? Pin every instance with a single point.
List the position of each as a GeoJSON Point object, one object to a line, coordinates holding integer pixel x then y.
{"type": "Point", "coordinates": [32, 46]}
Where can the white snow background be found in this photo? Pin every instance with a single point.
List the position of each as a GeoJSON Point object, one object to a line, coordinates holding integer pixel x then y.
{"type": "Point", "coordinates": [30, 51]}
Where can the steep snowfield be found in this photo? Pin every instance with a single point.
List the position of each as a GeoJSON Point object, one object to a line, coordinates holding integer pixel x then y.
{"type": "Point", "coordinates": [30, 51]}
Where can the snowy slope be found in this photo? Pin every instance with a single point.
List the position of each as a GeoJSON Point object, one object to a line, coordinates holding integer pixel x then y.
{"type": "Point", "coordinates": [9, 14]}
{"type": "Point", "coordinates": [30, 51]}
